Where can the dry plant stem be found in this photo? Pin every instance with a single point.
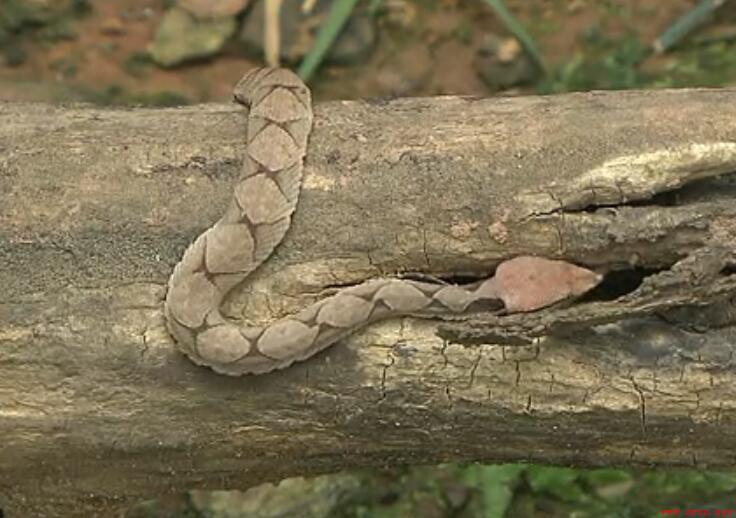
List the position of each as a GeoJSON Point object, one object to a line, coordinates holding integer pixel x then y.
{"type": "Point", "coordinates": [98, 409]}
{"type": "Point", "coordinates": [272, 33]}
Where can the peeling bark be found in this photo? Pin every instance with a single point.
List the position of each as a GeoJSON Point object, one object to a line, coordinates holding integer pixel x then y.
{"type": "Point", "coordinates": [98, 410]}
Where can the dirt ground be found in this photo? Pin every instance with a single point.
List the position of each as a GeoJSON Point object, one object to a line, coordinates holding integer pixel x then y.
{"type": "Point", "coordinates": [425, 47]}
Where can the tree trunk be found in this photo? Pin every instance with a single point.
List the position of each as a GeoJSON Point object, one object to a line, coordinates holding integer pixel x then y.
{"type": "Point", "coordinates": [98, 409]}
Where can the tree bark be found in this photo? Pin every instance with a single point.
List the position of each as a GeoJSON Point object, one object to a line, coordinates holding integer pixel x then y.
{"type": "Point", "coordinates": [98, 410]}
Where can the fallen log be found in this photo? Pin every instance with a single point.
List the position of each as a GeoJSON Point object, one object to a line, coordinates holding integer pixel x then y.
{"type": "Point", "coordinates": [98, 410]}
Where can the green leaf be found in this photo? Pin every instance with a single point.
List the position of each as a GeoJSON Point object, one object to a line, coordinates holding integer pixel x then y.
{"type": "Point", "coordinates": [609, 484]}
{"type": "Point", "coordinates": [495, 484]}
{"type": "Point", "coordinates": [559, 482]}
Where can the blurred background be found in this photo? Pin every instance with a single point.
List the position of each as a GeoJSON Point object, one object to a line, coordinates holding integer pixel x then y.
{"type": "Point", "coordinates": [167, 52]}
{"type": "Point", "coordinates": [174, 52]}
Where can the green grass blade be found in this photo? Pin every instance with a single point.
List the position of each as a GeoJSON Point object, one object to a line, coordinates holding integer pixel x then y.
{"type": "Point", "coordinates": [339, 13]}
{"type": "Point", "coordinates": [686, 24]}
{"type": "Point", "coordinates": [515, 28]}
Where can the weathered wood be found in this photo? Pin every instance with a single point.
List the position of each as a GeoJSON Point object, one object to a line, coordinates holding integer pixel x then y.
{"type": "Point", "coordinates": [98, 410]}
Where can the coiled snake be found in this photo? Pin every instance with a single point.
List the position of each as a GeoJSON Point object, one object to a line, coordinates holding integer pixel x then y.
{"type": "Point", "coordinates": [254, 223]}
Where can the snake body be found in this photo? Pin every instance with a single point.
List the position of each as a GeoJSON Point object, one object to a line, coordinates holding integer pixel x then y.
{"type": "Point", "coordinates": [254, 223]}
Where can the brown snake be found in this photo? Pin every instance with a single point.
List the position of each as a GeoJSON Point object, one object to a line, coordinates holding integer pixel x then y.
{"type": "Point", "coordinates": [254, 223]}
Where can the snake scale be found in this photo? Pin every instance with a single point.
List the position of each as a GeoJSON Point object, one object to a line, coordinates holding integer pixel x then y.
{"type": "Point", "coordinates": [256, 220]}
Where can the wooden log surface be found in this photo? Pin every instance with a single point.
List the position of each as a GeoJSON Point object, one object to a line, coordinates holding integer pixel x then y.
{"type": "Point", "coordinates": [98, 410]}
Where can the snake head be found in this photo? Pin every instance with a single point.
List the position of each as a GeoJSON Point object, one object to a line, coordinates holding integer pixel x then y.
{"type": "Point", "coordinates": [243, 90]}
{"type": "Point", "coordinates": [251, 85]}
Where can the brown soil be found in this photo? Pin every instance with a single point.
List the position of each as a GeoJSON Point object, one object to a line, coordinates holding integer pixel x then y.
{"type": "Point", "coordinates": [425, 48]}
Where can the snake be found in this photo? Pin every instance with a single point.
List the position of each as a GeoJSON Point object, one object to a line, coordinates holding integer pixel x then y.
{"type": "Point", "coordinates": [256, 220]}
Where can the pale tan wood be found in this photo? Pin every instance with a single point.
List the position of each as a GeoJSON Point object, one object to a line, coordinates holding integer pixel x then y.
{"type": "Point", "coordinates": [98, 410]}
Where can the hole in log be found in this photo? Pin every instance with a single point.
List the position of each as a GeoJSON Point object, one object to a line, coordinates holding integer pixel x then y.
{"type": "Point", "coordinates": [460, 280]}
{"type": "Point", "coordinates": [725, 271]}
{"type": "Point", "coordinates": [618, 283]}
{"type": "Point", "coordinates": [713, 188]}
{"type": "Point", "coordinates": [697, 190]}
